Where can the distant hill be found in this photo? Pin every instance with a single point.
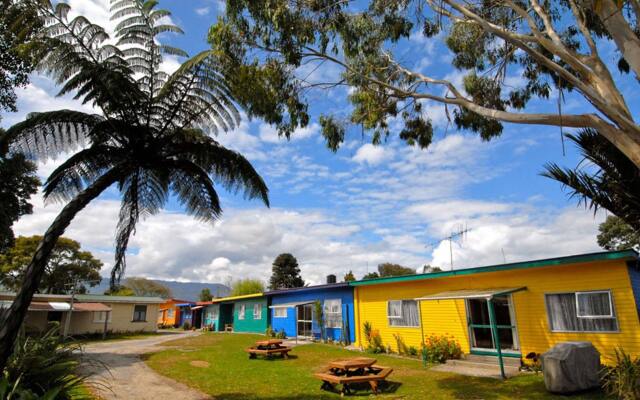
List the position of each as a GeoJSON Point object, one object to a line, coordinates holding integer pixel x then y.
{"type": "Point", "coordinates": [179, 290]}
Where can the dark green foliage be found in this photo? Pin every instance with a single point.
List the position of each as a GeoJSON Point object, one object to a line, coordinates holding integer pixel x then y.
{"type": "Point", "coordinates": [349, 277]}
{"type": "Point", "coordinates": [371, 275]}
{"type": "Point", "coordinates": [622, 380]}
{"type": "Point", "coordinates": [18, 182]}
{"type": "Point", "coordinates": [205, 295]}
{"type": "Point", "coordinates": [390, 269]}
{"type": "Point", "coordinates": [68, 264]}
{"type": "Point", "coordinates": [285, 273]}
{"type": "Point", "coordinates": [264, 41]}
{"type": "Point", "coordinates": [608, 179]}
{"type": "Point", "coordinates": [16, 61]}
{"type": "Point", "coordinates": [44, 367]}
{"type": "Point", "coordinates": [615, 234]}
{"type": "Point", "coordinates": [154, 133]}
{"type": "Point", "coordinates": [186, 326]}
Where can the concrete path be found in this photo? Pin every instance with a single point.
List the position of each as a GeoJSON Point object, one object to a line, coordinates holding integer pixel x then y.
{"type": "Point", "coordinates": [128, 377]}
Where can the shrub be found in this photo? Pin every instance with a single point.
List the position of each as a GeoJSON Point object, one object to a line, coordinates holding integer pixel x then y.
{"type": "Point", "coordinates": [623, 379]}
{"type": "Point", "coordinates": [270, 333]}
{"type": "Point", "coordinates": [535, 362]}
{"type": "Point", "coordinates": [368, 328]}
{"type": "Point", "coordinates": [438, 349]}
{"type": "Point", "coordinates": [401, 345]}
{"type": "Point", "coordinates": [186, 326]}
{"type": "Point", "coordinates": [44, 366]}
{"type": "Point", "coordinates": [281, 335]}
{"type": "Point", "coordinates": [413, 351]}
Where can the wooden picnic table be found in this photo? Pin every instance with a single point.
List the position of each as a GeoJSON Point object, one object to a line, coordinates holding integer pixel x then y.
{"type": "Point", "coordinates": [352, 371]}
{"type": "Point", "coordinates": [267, 348]}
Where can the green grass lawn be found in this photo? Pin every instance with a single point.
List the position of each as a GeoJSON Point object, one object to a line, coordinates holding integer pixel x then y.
{"type": "Point", "coordinates": [231, 375]}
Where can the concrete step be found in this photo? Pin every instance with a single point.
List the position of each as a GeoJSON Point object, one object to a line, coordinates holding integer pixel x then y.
{"type": "Point", "coordinates": [493, 360]}
{"type": "Point", "coordinates": [481, 370]}
{"type": "Point", "coordinates": [481, 365]}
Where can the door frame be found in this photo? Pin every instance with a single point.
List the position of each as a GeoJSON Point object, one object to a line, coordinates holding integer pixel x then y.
{"type": "Point", "coordinates": [492, 351]}
{"type": "Point", "coordinates": [310, 305]}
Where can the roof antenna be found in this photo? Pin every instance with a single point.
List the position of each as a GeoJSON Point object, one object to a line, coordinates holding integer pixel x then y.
{"type": "Point", "coordinates": [458, 234]}
{"type": "Point", "coordinates": [504, 258]}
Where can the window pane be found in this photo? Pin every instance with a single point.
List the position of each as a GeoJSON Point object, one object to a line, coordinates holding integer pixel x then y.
{"type": "Point", "coordinates": [280, 312]}
{"type": "Point", "coordinates": [403, 313]}
{"type": "Point", "coordinates": [333, 313]}
{"type": "Point", "coordinates": [139, 313]}
{"type": "Point", "coordinates": [594, 304]}
{"type": "Point", "coordinates": [563, 316]}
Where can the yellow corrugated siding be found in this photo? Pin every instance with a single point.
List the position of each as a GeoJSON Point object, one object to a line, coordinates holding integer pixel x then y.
{"type": "Point", "coordinates": [449, 316]}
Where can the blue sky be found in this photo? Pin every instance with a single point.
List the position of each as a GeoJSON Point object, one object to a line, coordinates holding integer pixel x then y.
{"type": "Point", "coordinates": [354, 209]}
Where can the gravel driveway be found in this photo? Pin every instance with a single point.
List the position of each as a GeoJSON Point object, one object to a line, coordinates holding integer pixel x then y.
{"type": "Point", "coordinates": [128, 377]}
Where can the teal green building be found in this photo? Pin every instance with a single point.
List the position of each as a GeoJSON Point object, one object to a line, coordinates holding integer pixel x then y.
{"type": "Point", "coordinates": [248, 313]}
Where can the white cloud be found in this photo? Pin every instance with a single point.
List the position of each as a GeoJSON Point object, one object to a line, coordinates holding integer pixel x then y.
{"type": "Point", "coordinates": [202, 11]}
{"type": "Point", "coordinates": [372, 155]}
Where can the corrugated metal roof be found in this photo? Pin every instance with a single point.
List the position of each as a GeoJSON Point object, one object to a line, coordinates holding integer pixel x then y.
{"type": "Point", "coordinates": [549, 262]}
{"type": "Point", "coordinates": [471, 294]}
{"type": "Point", "coordinates": [328, 286]}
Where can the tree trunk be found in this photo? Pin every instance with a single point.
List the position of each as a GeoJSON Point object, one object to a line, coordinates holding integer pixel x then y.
{"type": "Point", "coordinates": [12, 318]}
{"type": "Point", "coordinates": [625, 38]}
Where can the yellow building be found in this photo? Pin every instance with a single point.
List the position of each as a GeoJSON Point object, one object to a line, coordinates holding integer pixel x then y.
{"type": "Point", "coordinates": [536, 304]}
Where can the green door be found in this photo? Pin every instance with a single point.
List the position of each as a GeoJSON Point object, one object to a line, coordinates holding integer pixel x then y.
{"type": "Point", "coordinates": [480, 336]}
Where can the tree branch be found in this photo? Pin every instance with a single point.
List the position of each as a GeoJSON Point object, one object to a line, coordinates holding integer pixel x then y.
{"type": "Point", "coordinates": [622, 34]}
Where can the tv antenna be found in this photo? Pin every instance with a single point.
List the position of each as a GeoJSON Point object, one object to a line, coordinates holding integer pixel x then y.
{"type": "Point", "coordinates": [459, 234]}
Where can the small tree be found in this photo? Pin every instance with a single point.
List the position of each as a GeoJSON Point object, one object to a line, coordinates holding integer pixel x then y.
{"type": "Point", "coordinates": [349, 277]}
{"type": "Point", "coordinates": [318, 316]}
{"type": "Point", "coordinates": [205, 295]}
{"type": "Point", "coordinates": [615, 234]}
{"type": "Point", "coordinates": [371, 275]}
{"type": "Point", "coordinates": [389, 269]}
{"type": "Point", "coordinates": [247, 286]}
{"type": "Point", "coordinates": [285, 273]}
{"type": "Point", "coordinates": [68, 264]}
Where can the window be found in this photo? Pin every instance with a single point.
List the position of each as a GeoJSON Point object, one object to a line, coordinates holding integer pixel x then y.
{"type": "Point", "coordinates": [170, 313]}
{"type": "Point", "coordinates": [403, 313]}
{"type": "Point", "coordinates": [241, 311]}
{"type": "Point", "coordinates": [594, 304]}
{"type": "Point", "coordinates": [140, 313]}
{"type": "Point", "coordinates": [257, 311]}
{"type": "Point", "coordinates": [99, 316]}
{"type": "Point", "coordinates": [280, 312]}
{"type": "Point", "coordinates": [333, 313]}
{"type": "Point", "coordinates": [581, 312]}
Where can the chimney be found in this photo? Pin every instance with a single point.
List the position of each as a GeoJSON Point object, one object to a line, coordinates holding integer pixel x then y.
{"type": "Point", "coordinates": [331, 279]}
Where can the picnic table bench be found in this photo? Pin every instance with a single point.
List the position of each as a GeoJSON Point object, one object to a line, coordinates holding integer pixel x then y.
{"type": "Point", "coordinates": [353, 371]}
{"type": "Point", "coordinates": [267, 348]}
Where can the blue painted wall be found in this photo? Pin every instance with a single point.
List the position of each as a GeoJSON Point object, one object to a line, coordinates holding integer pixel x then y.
{"type": "Point", "coordinates": [634, 277]}
{"type": "Point", "coordinates": [185, 314]}
{"type": "Point", "coordinates": [288, 324]}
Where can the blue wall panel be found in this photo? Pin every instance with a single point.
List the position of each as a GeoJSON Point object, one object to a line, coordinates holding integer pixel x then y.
{"type": "Point", "coordinates": [344, 293]}
{"type": "Point", "coordinates": [634, 277]}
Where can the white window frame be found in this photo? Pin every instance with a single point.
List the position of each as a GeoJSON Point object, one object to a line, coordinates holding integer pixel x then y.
{"type": "Point", "coordinates": [277, 309]}
{"type": "Point", "coordinates": [339, 312]}
{"type": "Point", "coordinates": [401, 316]}
{"type": "Point", "coordinates": [549, 317]}
{"type": "Point", "coordinates": [100, 320]}
{"type": "Point", "coordinates": [242, 311]}
{"type": "Point", "coordinates": [133, 313]}
{"type": "Point", "coordinates": [394, 316]}
{"type": "Point", "coordinates": [257, 307]}
{"type": "Point", "coordinates": [609, 316]}
{"type": "Point", "coordinates": [170, 312]}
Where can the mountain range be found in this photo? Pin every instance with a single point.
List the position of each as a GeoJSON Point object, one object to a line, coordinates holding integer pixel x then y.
{"type": "Point", "coordinates": [179, 290]}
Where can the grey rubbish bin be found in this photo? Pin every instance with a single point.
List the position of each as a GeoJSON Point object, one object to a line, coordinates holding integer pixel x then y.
{"type": "Point", "coordinates": [571, 367]}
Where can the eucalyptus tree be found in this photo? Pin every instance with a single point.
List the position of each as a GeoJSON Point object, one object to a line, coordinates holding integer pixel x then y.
{"type": "Point", "coordinates": [556, 46]}
{"type": "Point", "coordinates": [151, 136]}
